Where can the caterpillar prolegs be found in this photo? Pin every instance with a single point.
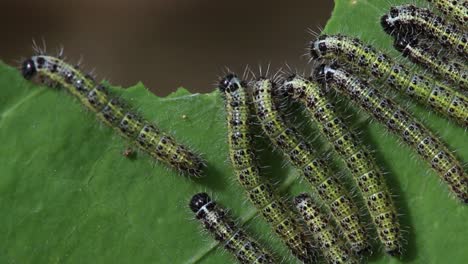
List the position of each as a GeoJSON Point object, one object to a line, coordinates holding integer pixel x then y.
{"type": "Point", "coordinates": [114, 113]}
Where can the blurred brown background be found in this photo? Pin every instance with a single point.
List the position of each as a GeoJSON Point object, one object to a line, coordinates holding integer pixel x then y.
{"type": "Point", "coordinates": [164, 44]}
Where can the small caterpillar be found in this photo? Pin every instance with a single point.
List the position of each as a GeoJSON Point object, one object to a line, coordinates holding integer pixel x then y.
{"type": "Point", "coordinates": [261, 194]}
{"type": "Point", "coordinates": [425, 90]}
{"type": "Point", "coordinates": [315, 170]}
{"type": "Point", "coordinates": [367, 175]}
{"type": "Point", "coordinates": [422, 54]}
{"type": "Point", "coordinates": [456, 9]}
{"type": "Point", "coordinates": [400, 122]}
{"type": "Point", "coordinates": [113, 112]}
{"type": "Point", "coordinates": [332, 246]}
{"type": "Point", "coordinates": [425, 22]}
{"type": "Point", "coordinates": [222, 227]}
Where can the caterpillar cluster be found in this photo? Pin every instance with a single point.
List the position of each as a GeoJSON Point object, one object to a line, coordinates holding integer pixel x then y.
{"type": "Point", "coordinates": [438, 96]}
{"type": "Point", "coordinates": [315, 170]}
{"type": "Point", "coordinates": [260, 193]}
{"type": "Point", "coordinates": [400, 122]}
{"type": "Point", "coordinates": [343, 236]}
{"type": "Point", "coordinates": [222, 227]}
{"type": "Point", "coordinates": [405, 24]}
{"type": "Point", "coordinates": [366, 173]}
{"type": "Point", "coordinates": [114, 113]}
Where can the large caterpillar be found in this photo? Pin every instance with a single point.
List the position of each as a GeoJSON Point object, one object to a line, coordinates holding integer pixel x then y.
{"type": "Point", "coordinates": [114, 113]}
{"type": "Point", "coordinates": [426, 22]}
{"type": "Point", "coordinates": [260, 193]}
{"type": "Point", "coordinates": [315, 170]}
{"type": "Point", "coordinates": [421, 53]}
{"type": "Point", "coordinates": [330, 243]}
{"type": "Point", "coordinates": [456, 9]}
{"type": "Point", "coordinates": [222, 227]}
{"type": "Point", "coordinates": [425, 90]}
{"type": "Point", "coordinates": [400, 122]}
{"type": "Point", "coordinates": [367, 175]}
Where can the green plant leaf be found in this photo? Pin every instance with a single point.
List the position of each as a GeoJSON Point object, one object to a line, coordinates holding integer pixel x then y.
{"type": "Point", "coordinates": [69, 195]}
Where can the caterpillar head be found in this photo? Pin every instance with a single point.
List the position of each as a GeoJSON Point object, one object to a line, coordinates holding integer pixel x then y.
{"type": "Point", "coordinates": [318, 48]}
{"type": "Point", "coordinates": [28, 68]}
{"type": "Point", "coordinates": [229, 83]}
{"type": "Point", "coordinates": [286, 88]}
{"type": "Point", "coordinates": [320, 73]}
{"type": "Point", "coordinates": [198, 201]}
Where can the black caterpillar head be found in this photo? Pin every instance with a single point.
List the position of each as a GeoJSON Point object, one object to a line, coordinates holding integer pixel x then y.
{"type": "Point", "coordinates": [386, 21]}
{"type": "Point", "coordinates": [286, 87]}
{"type": "Point", "coordinates": [198, 201]}
{"type": "Point", "coordinates": [28, 69]}
{"type": "Point", "coordinates": [319, 74]}
{"type": "Point", "coordinates": [318, 48]}
{"type": "Point", "coordinates": [229, 83]}
{"type": "Point", "coordinates": [300, 198]}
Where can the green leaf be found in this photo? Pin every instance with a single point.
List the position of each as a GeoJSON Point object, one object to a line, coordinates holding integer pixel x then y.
{"type": "Point", "coordinates": [69, 195]}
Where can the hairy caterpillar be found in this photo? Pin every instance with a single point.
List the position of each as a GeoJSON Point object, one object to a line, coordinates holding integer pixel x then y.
{"type": "Point", "coordinates": [222, 227]}
{"type": "Point", "coordinates": [315, 170]}
{"type": "Point", "coordinates": [425, 22]}
{"type": "Point", "coordinates": [400, 122]}
{"type": "Point", "coordinates": [425, 90]}
{"type": "Point", "coordinates": [367, 175]}
{"type": "Point", "coordinates": [456, 9]}
{"type": "Point", "coordinates": [260, 193]}
{"type": "Point", "coordinates": [423, 54]}
{"type": "Point", "coordinates": [114, 113]}
{"type": "Point", "coordinates": [330, 243]}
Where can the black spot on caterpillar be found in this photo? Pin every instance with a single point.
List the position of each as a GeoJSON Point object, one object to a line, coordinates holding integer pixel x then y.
{"type": "Point", "coordinates": [217, 222]}
{"type": "Point", "coordinates": [330, 243]}
{"type": "Point", "coordinates": [423, 89]}
{"type": "Point", "coordinates": [400, 122]}
{"type": "Point", "coordinates": [366, 173]}
{"type": "Point", "coordinates": [315, 170]}
{"type": "Point", "coordinates": [424, 21]}
{"type": "Point", "coordinates": [260, 193]}
{"type": "Point", "coordinates": [114, 113]}
{"type": "Point", "coordinates": [422, 54]}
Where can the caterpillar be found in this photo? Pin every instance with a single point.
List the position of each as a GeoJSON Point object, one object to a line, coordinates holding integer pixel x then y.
{"type": "Point", "coordinates": [400, 122]}
{"type": "Point", "coordinates": [422, 88]}
{"type": "Point", "coordinates": [456, 9]}
{"type": "Point", "coordinates": [422, 53]}
{"type": "Point", "coordinates": [426, 22]}
{"type": "Point", "coordinates": [315, 170]}
{"type": "Point", "coordinates": [330, 243]}
{"type": "Point", "coordinates": [114, 113]}
{"type": "Point", "coordinates": [260, 193]}
{"type": "Point", "coordinates": [366, 173]}
{"type": "Point", "coordinates": [222, 227]}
